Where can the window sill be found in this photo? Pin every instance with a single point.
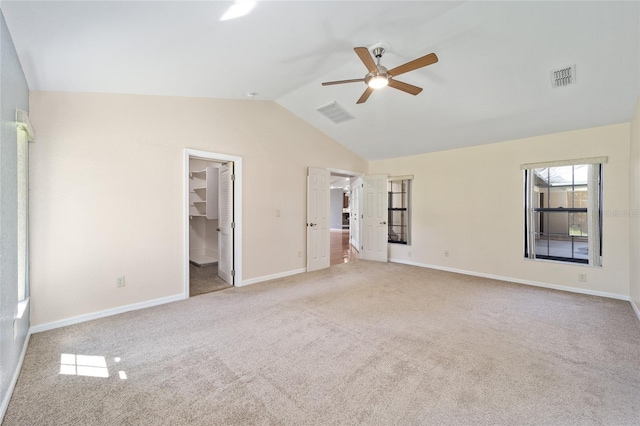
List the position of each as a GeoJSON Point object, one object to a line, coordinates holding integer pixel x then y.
{"type": "Point", "coordinates": [560, 262]}
{"type": "Point", "coordinates": [22, 307]}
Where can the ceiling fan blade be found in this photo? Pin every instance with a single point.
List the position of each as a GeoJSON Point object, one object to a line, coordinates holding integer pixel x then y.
{"type": "Point", "coordinates": [405, 87]}
{"type": "Point", "coordinates": [365, 96]}
{"type": "Point", "coordinates": [355, 80]}
{"type": "Point", "coordinates": [429, 59]}
{"type": "Point", "coordinates": [366, 58]}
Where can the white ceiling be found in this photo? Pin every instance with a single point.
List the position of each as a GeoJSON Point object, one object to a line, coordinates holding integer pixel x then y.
{"type": "Point", "coordinates": [492, 82]}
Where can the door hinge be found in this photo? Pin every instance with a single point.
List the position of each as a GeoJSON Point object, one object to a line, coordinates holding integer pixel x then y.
{"type": "Point", "coordinates": [361, 247]}
{"type": "Point", "coordinates": [233, 272]}
{"type": "Point", "coordinates": [233, 177]}
{"type": "Point", "coordinates": [233, 225]}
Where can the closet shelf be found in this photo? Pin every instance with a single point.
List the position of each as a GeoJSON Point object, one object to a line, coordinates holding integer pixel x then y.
{"type": "Point", "coordinates": [204, 185]}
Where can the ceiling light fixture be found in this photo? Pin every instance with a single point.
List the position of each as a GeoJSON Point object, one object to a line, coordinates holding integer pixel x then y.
{"type": "Point", "coordinates": [238, 9]}
{"type": "Point", "coordinates": [378, 81]}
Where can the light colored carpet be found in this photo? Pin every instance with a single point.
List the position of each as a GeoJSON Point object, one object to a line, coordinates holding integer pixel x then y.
{"type": "Point", "coordinates": [204, 279]}
{"type": "Point", "coordinates": [360, 343]}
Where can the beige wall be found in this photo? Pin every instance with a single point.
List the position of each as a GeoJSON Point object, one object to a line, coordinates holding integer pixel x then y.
{"type": "Point", "coordinates": [470, 201]}
{"type": "Point", "coordinates": [634, 208]}
{"type": "Point", "coordinates": [106, 192]}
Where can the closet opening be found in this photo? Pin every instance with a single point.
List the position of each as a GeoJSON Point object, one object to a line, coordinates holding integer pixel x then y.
{"type": "Point", "coordinates": [212, 222]}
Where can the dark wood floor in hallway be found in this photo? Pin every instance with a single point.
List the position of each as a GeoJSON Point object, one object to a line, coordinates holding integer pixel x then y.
{"type": "Point", "coordinates": [341, 250]}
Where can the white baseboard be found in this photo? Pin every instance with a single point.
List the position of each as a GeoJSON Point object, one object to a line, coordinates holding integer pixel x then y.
{"type": "Point", "coordinates": [105, 313]}
{"type": "Point", "coordinates": [516, 280]}
{"type": "Point", "coordinates": [272, 277]}
{"type": "Point", "coordinates": [635, 308]}
{"type": "Point", "coordinates": [14, 379]}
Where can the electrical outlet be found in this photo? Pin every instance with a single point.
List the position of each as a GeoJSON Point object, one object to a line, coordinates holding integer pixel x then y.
{"type": "Point", "coordinates": [15, 329]}
{"type": "Point", "coordinates": [582, 277]}
{"type": "Point", "coordinates": [299, 254]}
{"type": "Point", "coordinates": [120, 281]}
{"type": "Point", "coordinates": [446, 253]}
{"type": "Point", "coordinates": [409, 253]}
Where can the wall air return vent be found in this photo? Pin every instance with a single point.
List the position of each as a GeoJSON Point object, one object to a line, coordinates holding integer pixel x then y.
{"type": "Point", "coordinates": [563, 77]}
{"type": "Point", "coordinates": [334, 112]}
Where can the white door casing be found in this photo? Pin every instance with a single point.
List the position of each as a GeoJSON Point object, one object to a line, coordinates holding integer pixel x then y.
{"type": "Point", "coordinates": [225, 223]}
{"type": "Point", "coordinates": [374, 224]}
{"type": "Point", "coordinates": [318, 233]}
{"type": "Point", "coordinates": [236, 249]}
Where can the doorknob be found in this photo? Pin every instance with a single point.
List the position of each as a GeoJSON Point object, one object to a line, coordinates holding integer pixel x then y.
{"type": "Point", "coordinates": [312, 224]}
{"type": "Point", "coordinates": [383, 223]}
{"type": "Point", "coordinates": [218, 229]}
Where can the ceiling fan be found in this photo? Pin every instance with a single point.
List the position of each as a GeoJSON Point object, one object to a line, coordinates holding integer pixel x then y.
{"type": "Point", "coordinates": [379, 77]}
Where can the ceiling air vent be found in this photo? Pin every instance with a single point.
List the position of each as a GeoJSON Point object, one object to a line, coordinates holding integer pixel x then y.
{"type": "Point", "coordinates": [334, 112]}
{"type": "Point", "coordinates": [563, 76]}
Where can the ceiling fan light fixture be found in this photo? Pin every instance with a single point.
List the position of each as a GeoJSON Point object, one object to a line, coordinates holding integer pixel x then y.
{"type": "Point", "coordinates": [378, 81]}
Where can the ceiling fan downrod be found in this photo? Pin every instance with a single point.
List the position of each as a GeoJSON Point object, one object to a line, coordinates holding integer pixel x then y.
{"type": "Point", "coordinates": [379, 78]}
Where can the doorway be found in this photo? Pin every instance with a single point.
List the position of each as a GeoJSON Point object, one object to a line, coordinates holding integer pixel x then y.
{"type": "Point", "coordinates": [372, 214]}
{"type": "Point", "coordinates": [344, 210]}
{"type": "Point", "coordinates": [212, 222]}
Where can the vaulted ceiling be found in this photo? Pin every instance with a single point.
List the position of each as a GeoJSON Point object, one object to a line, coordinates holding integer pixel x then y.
{"type": "Point", "coordinates": [492, 82]}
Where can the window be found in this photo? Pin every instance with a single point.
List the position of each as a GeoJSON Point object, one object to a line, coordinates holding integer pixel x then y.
{"type": "Point", "coordinates": [563, 211]}
{"type": "Point", "coordinates": [23, 196]}
{"type": "Point", "coordinates": [399, 220]}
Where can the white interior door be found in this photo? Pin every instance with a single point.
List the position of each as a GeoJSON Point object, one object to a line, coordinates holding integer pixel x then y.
{"type": "Point", "coordinates": [355, 207]}
{"type": "Point", "coordinates": [226, 224]}
{"type": "Point", "coordinates": [374, 223]}
{"type": "Point", "coordinates": [318, 203]}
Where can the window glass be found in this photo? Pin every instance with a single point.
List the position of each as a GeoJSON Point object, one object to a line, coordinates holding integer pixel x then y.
{"type": "Point", "coordinates": [399, 218]}
{"type": "Point", "coordinates": [563, 213]}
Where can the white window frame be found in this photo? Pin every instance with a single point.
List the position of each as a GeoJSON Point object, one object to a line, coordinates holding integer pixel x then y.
{"type": "Point", "coordinates": [25, 134]}
{"type": "Point", "coordinates": [405, 206]}
{"type": "Point", "coordinates": [594, 210]}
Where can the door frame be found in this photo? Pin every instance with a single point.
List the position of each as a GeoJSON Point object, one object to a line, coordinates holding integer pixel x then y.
{"type": "Point", "coordinates": [237, 212]}
{"type": "Point", "coordinates": [354, 188]}
{"type": "Point", "coordinates": [331, 171]}
{"type": "Point", "coordinates": [356, 176]}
